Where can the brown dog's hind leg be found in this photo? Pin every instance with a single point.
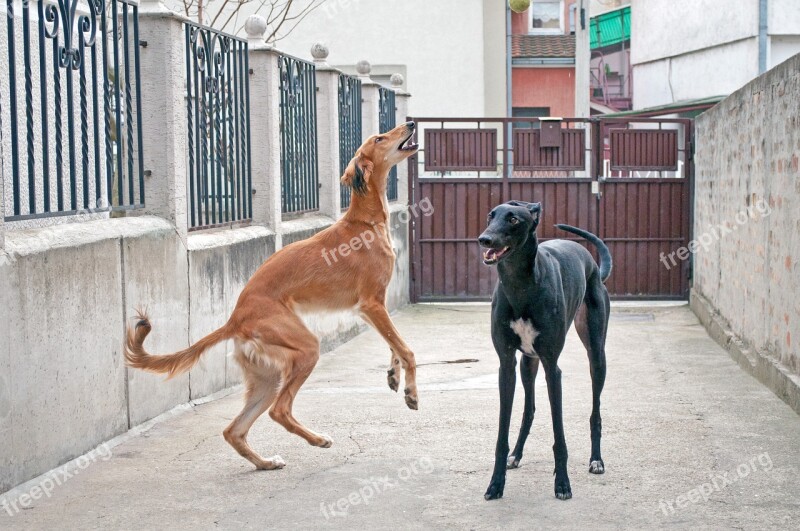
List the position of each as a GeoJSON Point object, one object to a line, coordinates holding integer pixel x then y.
{"type": "Point", "coordinates": [301, 363]}
{"type": "Point", "coordinates": [376, 315]}
{"type": "Point", "coordinates": [297, 350]}
{"type": "Point", "coordinates": [261, 384]}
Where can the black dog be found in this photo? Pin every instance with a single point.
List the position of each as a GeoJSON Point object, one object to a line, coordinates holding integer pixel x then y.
{"type": "Point", "coordinates": [541, 289]}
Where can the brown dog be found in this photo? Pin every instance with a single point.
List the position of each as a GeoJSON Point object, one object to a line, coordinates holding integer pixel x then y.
{"type": "Point", "coordinates": [272, 344]}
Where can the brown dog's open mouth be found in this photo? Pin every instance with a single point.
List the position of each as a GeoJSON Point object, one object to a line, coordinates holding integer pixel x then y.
{"type": "Point", "coordinates": [491, 256]}
{"type": "Point", "coordinates": [408, 145]}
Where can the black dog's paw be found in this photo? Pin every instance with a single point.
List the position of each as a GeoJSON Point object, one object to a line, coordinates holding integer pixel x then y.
{"type": "Point", "coordinates": [597, 467]}
{"type": "Point", "coordinates": [495, 489]}
{"type": "Point", "coordinates": [513, 462]}
{"type": "Point", "coordinates": [563, 490]}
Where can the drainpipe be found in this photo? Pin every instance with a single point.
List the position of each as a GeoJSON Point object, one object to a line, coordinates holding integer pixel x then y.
{"type": "Point", "coordinates": [508, 62]}
{"type": "Point", "coordinates": [762, 36]}
{"type": "Point", "coordinates": [509, 92]}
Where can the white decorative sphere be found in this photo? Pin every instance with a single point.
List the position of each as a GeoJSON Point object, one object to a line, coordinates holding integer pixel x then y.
{"type": "Point", "coordinates": [397, 80]}
{"type": "Point", "coordinates": [319, 51]}
{"type": "Point", "coordinates": [255, 26]}
{"type": "Point", "coordinates": [363, 67]}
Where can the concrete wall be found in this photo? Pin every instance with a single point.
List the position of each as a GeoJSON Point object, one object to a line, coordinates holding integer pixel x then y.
{"type": "Point", "coordinates": [783, 17]}
{"type": "Point", "coordinates": [746, 282]}
{"type": "Point", "coordinates": [598, 7]}
{"type": "Point", "coordinates": [708, 72]}
{"type": "Point", "coordinates": [686, 49]}
{"type": "Point", "coordinates": [783, 47]}
{"type": "Point", "coordinates": [494, 59]}
{"type": "Point", "coordinates": [582, 60]}
{"type": "Point", "coordinates": [667, 28]}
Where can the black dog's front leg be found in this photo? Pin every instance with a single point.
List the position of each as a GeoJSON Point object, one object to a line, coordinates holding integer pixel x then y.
{"type": "Point", "coordinates": [553, 375]}
{"type": "Point", "coordinates": [507, 382]}
{"type": "Point", "coordinates": [528, 368]}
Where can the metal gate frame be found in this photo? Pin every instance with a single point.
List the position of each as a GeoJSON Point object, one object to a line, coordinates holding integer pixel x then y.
{"type": "Point", "coordinates": [613, 169]}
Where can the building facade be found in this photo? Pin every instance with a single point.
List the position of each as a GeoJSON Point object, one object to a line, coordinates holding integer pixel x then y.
{"type": "Point", "coordinates": [685, 50]}
{"type": "Point", "coordinates": [543, 59]}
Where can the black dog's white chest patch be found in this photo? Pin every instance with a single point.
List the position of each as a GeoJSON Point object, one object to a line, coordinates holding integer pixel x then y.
{"type": "Point", "coordinates": [527, 335]}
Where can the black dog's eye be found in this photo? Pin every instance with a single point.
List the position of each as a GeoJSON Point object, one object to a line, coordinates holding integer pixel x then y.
{"type": "Point", "coordinates": [513, 221]}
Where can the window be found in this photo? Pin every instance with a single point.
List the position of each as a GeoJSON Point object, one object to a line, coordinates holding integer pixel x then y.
{"type": "Point", "coordinates": [547, 16]}
{"type": "Point", "coordinates": [529, 112]}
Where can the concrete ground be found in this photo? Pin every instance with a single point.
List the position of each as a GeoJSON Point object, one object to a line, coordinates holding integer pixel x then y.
{"type": "Point", "coordinates": [689, 441]}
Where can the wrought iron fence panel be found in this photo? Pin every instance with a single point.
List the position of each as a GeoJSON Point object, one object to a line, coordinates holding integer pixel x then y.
{"type": "Point", "coordinates": [349, 126]}
{"type": "Point", "coordinates": [218, 128]}
{"type": "Point", "coordinates": [387, 120]}
{"type": "Point", "coordinates": [74, 120]}
{"type": "Point", "coordinates": [299, 170]}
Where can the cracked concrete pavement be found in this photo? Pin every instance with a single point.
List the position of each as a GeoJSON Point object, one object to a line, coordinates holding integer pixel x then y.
{"type": "Point", "coordinates": [689, 441]}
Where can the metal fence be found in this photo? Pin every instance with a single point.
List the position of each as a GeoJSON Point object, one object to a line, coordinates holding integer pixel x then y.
{"type": "Point", "coordinates": [349, 126]}
{"type": "Point", "coordinates": [387, 120]}
{"type": "Point", "coordinates": [299, 170]}
{"type": "Point", "coordinates": [218, 126]}
{"type": "Point", "coordinates": [74, 100]}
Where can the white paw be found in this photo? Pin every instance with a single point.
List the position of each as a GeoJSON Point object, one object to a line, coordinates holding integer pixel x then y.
{"type": "Point", "coordinates": [278, 461]}
{"type": "Point", "coordinates": [328, 441]}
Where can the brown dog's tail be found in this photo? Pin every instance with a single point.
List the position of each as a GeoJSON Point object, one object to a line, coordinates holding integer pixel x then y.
{"type": "Point", "coordinates": [170, 364]}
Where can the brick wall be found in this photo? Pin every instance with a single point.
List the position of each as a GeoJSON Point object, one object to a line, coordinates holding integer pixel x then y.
{"type": "Point", "coordinates": [747, 208]}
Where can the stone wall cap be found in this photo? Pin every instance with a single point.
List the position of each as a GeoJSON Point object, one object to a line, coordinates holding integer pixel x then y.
{"type": "Point", "coordinates": [31, 241]}
{"type": "Point", "coordinates": [221, 238]}
{"type": "Point", "coordinates": [157, 9]}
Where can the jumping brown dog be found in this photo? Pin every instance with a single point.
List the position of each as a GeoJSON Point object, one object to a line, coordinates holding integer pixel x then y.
{"type": "Point", "coordinates": [275, 349]}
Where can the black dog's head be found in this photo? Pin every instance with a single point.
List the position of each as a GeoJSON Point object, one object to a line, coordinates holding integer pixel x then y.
{"type": "Point", "coordinates": [510, 226]}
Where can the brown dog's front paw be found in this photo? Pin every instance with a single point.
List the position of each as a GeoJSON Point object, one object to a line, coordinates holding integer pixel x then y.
{"type": "Point", "coordinates": [411, 399]}
{"type": "Point", "coordinates": [324, 441]}
{"type": "Point", "coordinates": [393, 378]}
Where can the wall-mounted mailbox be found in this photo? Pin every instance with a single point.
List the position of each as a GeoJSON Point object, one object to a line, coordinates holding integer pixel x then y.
{"type": "Point", "coordinates": [551, 133]}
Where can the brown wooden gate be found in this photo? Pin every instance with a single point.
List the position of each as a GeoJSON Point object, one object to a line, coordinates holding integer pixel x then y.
{"type": "Point", "coordinates": [626, 180]}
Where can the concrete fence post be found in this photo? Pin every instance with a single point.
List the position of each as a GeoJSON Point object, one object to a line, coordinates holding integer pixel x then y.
{"type": "Point", "coordinates": [330, 203]}
{"type": "Point", "coordinates": [164, 114]}
{"type": "Point", "coordinates": [3, 149]}
{"type": "Point", "coordinates": [2, 199]}
{"type": "Point", "coordinates": [370, 120]}
{"type": "Point", "coordinates": [2, 221]}
{"type": "Point", "coordinates": [402, 112]}
{"type": "Point", "coordinates": [265, 124]}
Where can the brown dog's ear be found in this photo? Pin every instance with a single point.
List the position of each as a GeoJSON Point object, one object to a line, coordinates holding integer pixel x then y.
{"type": "Point", "coordinates": [357, 174]}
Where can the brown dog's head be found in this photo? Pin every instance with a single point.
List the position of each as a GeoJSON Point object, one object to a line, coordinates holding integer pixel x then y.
{"type": "Point", "coordinates": [377, 155]}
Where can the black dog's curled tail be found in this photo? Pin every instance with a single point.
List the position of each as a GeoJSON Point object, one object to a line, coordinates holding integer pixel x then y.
{"type": "Point", "coordinates": [602, 249]}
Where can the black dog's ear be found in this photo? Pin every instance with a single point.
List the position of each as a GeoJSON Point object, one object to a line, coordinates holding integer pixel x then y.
{"type": "Point", "coordinates": [357, 174]}
{"type": "Point", "coordinates": [536, 210]}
